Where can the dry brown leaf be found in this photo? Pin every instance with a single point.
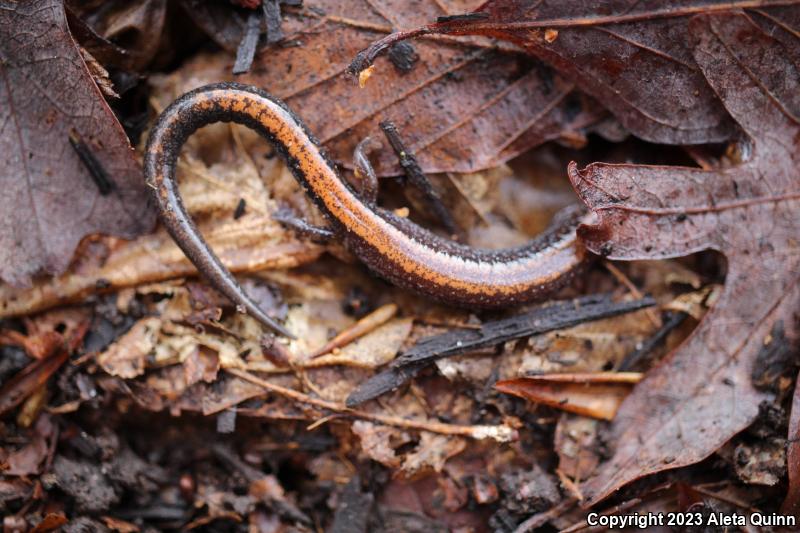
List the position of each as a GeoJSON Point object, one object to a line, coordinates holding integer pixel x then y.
{"type": "Point", "coordinates": [704, 393]}
{"type": "Point", "coordinates": [248, 244]}
{"type": "Point", "coordinates": [127, 357]}
{"type": "Point", "coordinates": [597, 398]}
{"type": "Point", "coordinates": [28, 460]}
{"type": "Point", "coordinates": [791, 504]}
{"type": "Point", "coordinates": [483, 105]}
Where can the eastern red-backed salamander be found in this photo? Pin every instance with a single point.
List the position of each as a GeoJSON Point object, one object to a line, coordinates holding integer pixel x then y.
{"type": "Point", "coordinates": [393, 247]}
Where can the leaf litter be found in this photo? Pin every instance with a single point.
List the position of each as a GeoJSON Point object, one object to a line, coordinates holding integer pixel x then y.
{"type": "Point", "coordinates": [179, 412]}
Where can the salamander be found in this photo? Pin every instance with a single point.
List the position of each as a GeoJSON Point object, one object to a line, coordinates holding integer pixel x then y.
{"type": "Point", "coordinates": [393, 247]}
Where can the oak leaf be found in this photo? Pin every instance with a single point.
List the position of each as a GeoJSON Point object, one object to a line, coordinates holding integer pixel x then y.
{"type": "Point", "coordinates": [633, 56]}
{"type": "Point", "coordinates": [703, 393]}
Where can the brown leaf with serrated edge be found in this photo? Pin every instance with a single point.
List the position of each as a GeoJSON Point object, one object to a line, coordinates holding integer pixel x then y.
{"type": "Point", "coordinates": [633, 56]}
{"type": "Point", "coordinates": [462, 107]}
{"type": "Point", "coordinates": [49, 200]}
{"type": "Point", "coordinates": [703, 394]}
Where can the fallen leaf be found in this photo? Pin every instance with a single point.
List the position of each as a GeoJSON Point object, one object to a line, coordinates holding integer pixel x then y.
{"type": "Point", "coordinates": [702, 394]}
{"type": "Point", "coordinates": [251, 243]}
{"type": "Point", "coordinates": [483, 105]}
{"type": "Point", "coordinates": [37, 346]}
{"type": "Point", "coordinates": [138, 25]}
{"type": "Point", "coordinates": [33, 376]}
{"type": "Point", "coordinates": [762, 462]}
{"type": "Point", "coordinates": [577, 446]}
{"type": "Point", "coordinates": [432, 452]}
{"type": "Point", "coordinates": [529, 490]}
{"type": "Point", "coordinates": [119, 525]}
{"type": "Point", "coordinates": [51, 522]}
{"type": "Point", "coordinates": [380, 442]}
{"type": "Point", "coordinates": [636, 58]}
{"type": "Point", "coordinates": [127, 357]}
{"type": "Point", "coordinates": [598, 397]}
{"type": "Point", "coordinates": [49, 199]}
{"type": "Point", "coordinates": [201, 365]}
{"type": "Point", "coordinates": [15, 489]}
{"type": "Point", "coordinates": [28, 459]}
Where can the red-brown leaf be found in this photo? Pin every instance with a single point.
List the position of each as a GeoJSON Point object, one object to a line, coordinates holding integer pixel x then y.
{"type": "Point", "coordinates": [634, 57]}
{"type": "Point", "coordinates": [22, 385]}
{"type": "Point", "coordinates": [593, 395]}
{"type": "Point", "coordinates": [464, 106]}
{"type": "Point", "coordinates": [703, 394]}
{"type": "Point", "coordinates": [48, 200]}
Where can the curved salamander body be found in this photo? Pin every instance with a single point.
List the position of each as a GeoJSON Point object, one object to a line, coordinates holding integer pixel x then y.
{"type": "Point", "coordinates": [393, 247]}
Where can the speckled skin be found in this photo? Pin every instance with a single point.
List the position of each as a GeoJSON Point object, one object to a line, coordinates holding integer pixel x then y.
{"type": "Point", "coordinates": [393, 247]}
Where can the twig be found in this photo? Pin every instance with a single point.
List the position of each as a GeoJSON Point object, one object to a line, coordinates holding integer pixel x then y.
{"type": "Point", "coordinates": [272, 19]}
{"type": "Point", "coordinates": [365, 325]}
{"type": "Point", "coordinates": [500, 433]}
{"type": "Point", "coordinates": [247, 46]}
{"type": "Point", "coordinates": [539, 519]}
{"type": "Point", "coordinates": [634, 290]}
{"type": "Point", "coordinates": [417, 177]}
{"type": "Point", "coordinates": [631, 378]}
{"type": "Point", "coordinates": [543, 319]}
{"type": "Point", "coordinates": [557, 315]}
{"type": "Point", "coordinates": [570, 485]}
{"type": "Point", "coordinates": [617, 509]}
{"type": "Point", "coordinates": [632, 359]}
{"type": "Point", "coordinates": [100, 177]}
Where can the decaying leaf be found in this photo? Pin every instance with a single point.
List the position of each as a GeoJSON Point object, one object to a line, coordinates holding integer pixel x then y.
{"type": "Point", "coordinates": [127, 357]}
{"type": "Point", "coordinates": [432, 452]}
{"type": "Point", "coordinates": [134, 29]}
{"type": "Point", "coordinates": [380, 442]}
{"type": "Point", "coordinates": [482, 105]}
{"type": "Point", "coordinates": [50, 200]}
{"type": "Point", "coordinates": [703, 395]}
{"type": "Point", "coordinates": [635, 57]}
{"type": "Point", "coordinates": [577, 446]}
{"type": "Point", "coordinates": [596, 396]}
{"type": "Point", "coordinates": [250, 243]}
{"type": "Point", "coordinates": [28, 459]}
{"type": "Point", "coordinates": [15, 390]}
